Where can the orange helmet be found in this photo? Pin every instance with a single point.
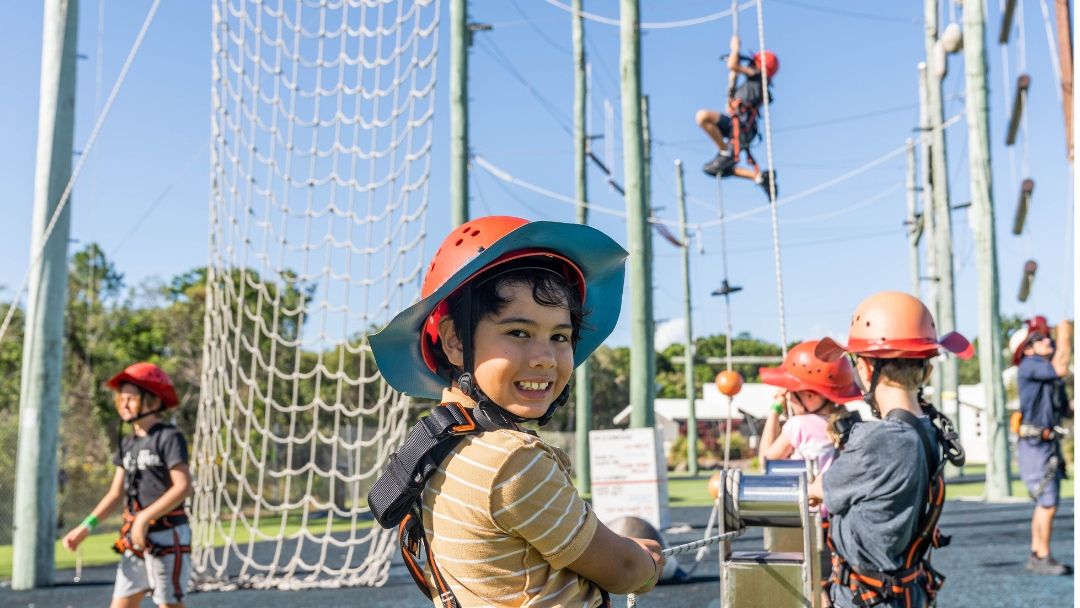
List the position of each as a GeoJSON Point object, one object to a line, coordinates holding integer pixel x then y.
{"type": "Point", "coordinates": [802, 370]}
{"type": "Point", "coordinates": [150, 378]}
{"type": "Point", "coordinates": [729, 382]}
{"type": "Point", "coordinates": [767, 62]}
{"type": "Point", "coordinates": [894, 325]}
{"type": "Point", "coordinates": [405, 349]}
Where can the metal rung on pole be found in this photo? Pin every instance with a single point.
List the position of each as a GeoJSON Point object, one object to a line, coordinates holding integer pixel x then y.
{"type": "Point", "coordinates": [1029, 278]}
{"type": "Point", "coordinates": [1026, 189]}
{"type": "Point", "coordinates": [1006, 21]}
{"type": "Point", "coordinates": [1022, 84]}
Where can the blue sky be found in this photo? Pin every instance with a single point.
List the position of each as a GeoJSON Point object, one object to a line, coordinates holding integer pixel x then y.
{"type": "Point", "coordinates": [845, 95]}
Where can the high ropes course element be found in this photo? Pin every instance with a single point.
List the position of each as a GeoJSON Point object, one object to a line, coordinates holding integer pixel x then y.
{"type": "Point", "coordinates": [321, 141]}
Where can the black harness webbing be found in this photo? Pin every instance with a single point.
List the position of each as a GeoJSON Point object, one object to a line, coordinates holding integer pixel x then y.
{"type": "Point", "coordinates": [870, 588]}
{"type": "Point", "coordinates": [394, 499]}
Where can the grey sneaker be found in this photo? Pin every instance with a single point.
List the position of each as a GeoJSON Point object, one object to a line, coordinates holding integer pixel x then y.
{"type": "Point", "coordinates": [1047, 566]}
{"type": "Point", "coordinates": [722, 165]}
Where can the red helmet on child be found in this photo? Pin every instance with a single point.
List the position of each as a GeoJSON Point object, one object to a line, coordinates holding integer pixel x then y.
{"type": "Point", "coordinates": [894, 325]}
{"type": "Point", "coordinates": [405, 349]}
{"type": "Point", "coordinates": [767, 62]}
{"type": "Point", "coordinates": [802, 370]}
{"type": "Point", "coordinates": [150, 378]}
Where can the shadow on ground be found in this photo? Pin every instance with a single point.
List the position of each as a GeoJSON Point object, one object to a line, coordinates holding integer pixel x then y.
{"type": "Point", "coordinates": [984, 566]}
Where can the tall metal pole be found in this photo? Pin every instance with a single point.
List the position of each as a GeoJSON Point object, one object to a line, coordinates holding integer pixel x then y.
{"type": "Point", "coordinates": [34, 533]}
{"type": "Point", "coordinates": [913, 227]}
{"type": "Point", "coordinates": [990, 342]}
{"type": "Point", "coordinates": [459, 112]}
{"type": "Point", "coordinates": [945, 314]}
{"type": "Point", "coordinates": [583, 379]}
{"type": "Point", "coordinates": [637, 218]}
{"type": "Point", "coordinates": [930, 288]}
{"type": "Point", "coordinates": [691, 386]}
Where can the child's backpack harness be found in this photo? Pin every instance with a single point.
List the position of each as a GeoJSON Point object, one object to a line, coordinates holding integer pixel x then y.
{"type": "Point", "coordinates": [395, 499]}
{"type": "Point", "coordinates": [870, 588]}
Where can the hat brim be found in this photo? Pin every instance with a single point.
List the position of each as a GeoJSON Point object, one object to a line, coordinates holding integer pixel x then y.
{"type": "Point", "coordinates": [915, 348]}
{"type": "Point", "coordinates": [396, 347]}
{"type": "Point", "coordinates": [778, 376]}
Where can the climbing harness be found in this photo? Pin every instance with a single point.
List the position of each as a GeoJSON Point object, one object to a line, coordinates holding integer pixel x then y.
{"type": "Point", "coordinates": [870, 588]}
{"type": "Point", "coordinates": [169, 521]}
{"type": "Point", "coordinates": [395, 499]}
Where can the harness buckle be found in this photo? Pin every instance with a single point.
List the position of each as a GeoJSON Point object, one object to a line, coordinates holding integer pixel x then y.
{"type": "Point", "coordinates": [447, 598]}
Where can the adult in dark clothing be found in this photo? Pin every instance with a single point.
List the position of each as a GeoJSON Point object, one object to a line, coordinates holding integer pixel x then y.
{"type": "Point", "coordinates": [1042, 366]}
{"type": "Point", "coordinates": [743, 107]}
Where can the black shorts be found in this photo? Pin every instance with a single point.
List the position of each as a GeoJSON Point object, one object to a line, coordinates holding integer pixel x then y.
{"type": "Point", "coordinates": [746, 132]}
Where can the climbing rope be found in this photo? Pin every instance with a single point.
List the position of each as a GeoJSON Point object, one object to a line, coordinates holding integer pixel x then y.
{"type": "Point", "coordinates": [631, 599]}
{"type": "Point", "coordinates": [772, 189]}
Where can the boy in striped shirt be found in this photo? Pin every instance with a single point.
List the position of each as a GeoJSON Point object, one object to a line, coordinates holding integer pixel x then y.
{"type": "Point", "coordinates": [498, 332]}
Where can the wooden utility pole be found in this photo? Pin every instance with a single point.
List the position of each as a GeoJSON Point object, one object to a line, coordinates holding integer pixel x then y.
{"type": "Point", "coordinates": [941, 241]}
{"type": "Point", "coordinates": [1065, 52]}
{"type": "Point", "coordinates": [691, 386]}
{"type": "Point", "coordinates": [637, 218]}
{"type": "Point", "coordinates": [34, 529]}
{"type": "Point", "coordinates": [914, 230]}
{"type": "Point", "coordinates": [583, 377]}
{"type": "Point", "coordinates": [459, 112]}
{"type": "Point", "coordinates": [990, 342]}
{"type": "Point", "coordinates": [929, 280]}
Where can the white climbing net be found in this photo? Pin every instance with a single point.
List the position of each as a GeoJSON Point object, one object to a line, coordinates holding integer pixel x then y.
{"type": "Point", "coordinates": [321, 133]}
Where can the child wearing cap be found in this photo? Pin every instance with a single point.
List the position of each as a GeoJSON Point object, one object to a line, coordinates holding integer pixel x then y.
{"type": "Point", "coordinates": [152, 481]}
{"type": "Point", "coordinates": [1042, 366]}
{"type": "Point", "coordinates": [508, 309]}
{"type": "Point", "coordinates": [813, 389]}
{"type": "Point", "coordinates": [885, 489]}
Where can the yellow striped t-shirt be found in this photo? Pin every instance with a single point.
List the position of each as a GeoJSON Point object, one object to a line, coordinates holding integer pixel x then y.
{"type": "Point", "coordinates": [503, 520]}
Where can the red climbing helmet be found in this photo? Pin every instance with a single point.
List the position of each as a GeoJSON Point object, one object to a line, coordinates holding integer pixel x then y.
{"type": "Point", "coordinates": [894, 325]}
{"type": "Point", "coordinates": [802, 370]}
{"type": "Point", "coordinates": [150, 378]}
{"type": "Point", "coordinates": [405, 349]}
{"type": "Point", "coordinates": [767, 62]}
{"type": "Point", "coordinates": [461, 247]}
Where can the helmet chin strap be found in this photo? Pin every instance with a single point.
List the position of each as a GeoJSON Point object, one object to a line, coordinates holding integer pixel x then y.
{"type": "Point", "coordinates": [467, 383]}
{"type": "Point", "coordinates": [868, 395]}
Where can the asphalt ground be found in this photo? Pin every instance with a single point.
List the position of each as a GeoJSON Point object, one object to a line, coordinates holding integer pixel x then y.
{"type": "Point", "coordinates": [984, 565]}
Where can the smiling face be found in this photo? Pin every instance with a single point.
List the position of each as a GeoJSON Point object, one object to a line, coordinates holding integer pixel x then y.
{"type": "Point", "coordinates": [523, 353]}
{"type": "Point", "coordinates": [129, 402]}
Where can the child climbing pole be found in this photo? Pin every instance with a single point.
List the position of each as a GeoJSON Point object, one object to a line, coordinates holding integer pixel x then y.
{"type": "Point", "coordinates": [734, 131]}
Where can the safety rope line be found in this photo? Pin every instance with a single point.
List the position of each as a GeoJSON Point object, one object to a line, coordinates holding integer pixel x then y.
{"type": "Point", "coordinates": [631, 598]}
{"type": "Point", "coordinates": [653, 25]}
{"type": "Point", "coordinates": [65, 196]}
{"type": "Point", "coordinates": [772, 188]}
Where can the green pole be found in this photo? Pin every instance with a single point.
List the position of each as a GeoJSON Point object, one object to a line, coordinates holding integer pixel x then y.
{"type": "Point", "coordinates": [459, 112]}
{"type": "Point", "coordinates": [691, 386]}
{"type": "Point", "coordinates": [945, 314]}
{"type": "Point", "coordinates": [583, 379]}
{"type": "Point", "coordinates": [34, 530]}
{"type": "Point", "coordinates": [990, 343]}
{"type": "Point", "coordinates": [637, 218]}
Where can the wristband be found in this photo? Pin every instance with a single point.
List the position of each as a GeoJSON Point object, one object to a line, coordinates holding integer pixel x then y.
{"type": "Point", "coordinates": [778, 408]}
{"type": "Point", "coordinates": [90, 522]}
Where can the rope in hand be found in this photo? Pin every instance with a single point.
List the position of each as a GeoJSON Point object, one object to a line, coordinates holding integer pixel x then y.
{"type": "Point", "coordinates": [631, 598]}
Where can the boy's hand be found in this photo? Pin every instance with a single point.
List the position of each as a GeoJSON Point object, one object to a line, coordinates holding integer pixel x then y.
{"type": "Point", "coordinates": [73, 539]}
{"type": "Point", "coordinates": [656, 553]}
{"type": "Point", "coordinates": [139, 529]}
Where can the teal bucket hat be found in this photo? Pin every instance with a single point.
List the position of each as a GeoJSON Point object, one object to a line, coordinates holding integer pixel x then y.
{"type": "Point", "coordinates": [473, 247]}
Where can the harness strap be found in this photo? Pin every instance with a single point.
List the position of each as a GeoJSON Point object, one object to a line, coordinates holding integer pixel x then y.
{"type": "Point", "coordinates": [871, 588]}
{"type": "Point", "coordinates": [165, 522]}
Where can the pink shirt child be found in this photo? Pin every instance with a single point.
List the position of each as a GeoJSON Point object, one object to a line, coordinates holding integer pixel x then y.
{"type": "Point", "coordinates": [808, 434]}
